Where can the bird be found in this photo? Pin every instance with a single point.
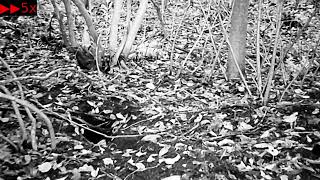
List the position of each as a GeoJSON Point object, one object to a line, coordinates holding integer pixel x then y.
{"type": "Point", "coordinates": [85, 58]}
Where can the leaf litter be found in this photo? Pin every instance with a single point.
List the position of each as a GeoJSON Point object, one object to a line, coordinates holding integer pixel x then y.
{"type": "Point", "coordinates": [155, 126]}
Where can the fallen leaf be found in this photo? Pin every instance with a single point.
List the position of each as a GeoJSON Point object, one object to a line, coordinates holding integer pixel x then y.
{"type": "Point", "coordinates": [266, 176]}
{"type": "Point", "coordinates": [91, 103]}
{"type": "Point", "coordinates": [284, 177]}
{"type": "Point", "coordinates": [265, 134]}
{"type": "Point", "coordinates": [244, 126]}
{"type": "Point", "coordinates": [225, 142]}
{"type": "Point", "coordinates": [76, 175]}
{"type": "Point", "coordinates": [151, 158]}
{"type": "Point", "coordinates": [94, 173]}
{"type": "Point", "coordinates": [198, 119]}
{"type": "Point", "coordinates": [45, 167]}
{"type": "Point", "coordinates": [174, 177]}
{"type": "Point", "coordinates": [262, 145]}
{"type": "Point", "coordinates": [63, 178]}
{"type": "Point", "coordinates": [228, 125]}
{"type": "Point", "coordinates": [204, 122]}
{"type": "Point", "coordinates": [170, 161]}
{"type": "Point", "coordinates": [180, 146]}
{"type": "Point", "coordinates": [107, 111]}
{"type": "Point", "coordinates": [183, 117]}
{"type": "Point", "coordinates": [86, 168]}
{"type": "Point", "coordinates": [128, 153]}
{"type": "Point", "coordinates": [78, 147]}
{"type": "Point", "coordinates": [139, 153]}
{"type": "Point", "coordinates": [140, 166]}
{"type": "Point", "coordinates": [241, 88]}
{"type": "Point", "coordinates": [27, 159]}
{"type": "Point", "coordinates": [150, 86]}
{"type": "Point", "coordinates": [120, 116]}
{"type": "Point", "coordinates": [163, 151]}
{"type": "Point", "coordinates": [107, 161]}
{"type": "Point", "coordinates": [270, 166]}
{"type": "Point", "coordinates": [290, 119]}
{"type": "Point", "coordinates": [271, 150]}
{"type": "Point", "coordinates": [4, 120]}
{"type": "Point", "coordinates": [84, 152]}
{"type": "Point", "coordinates": [298, 91]}
{"type": "Point", "coordinates": [309, 140]}
{"type": "Point", "coordinates": [151, 137]}
{"type": "Point", "coordinates": [112, 88]}
{"type": "Point", "coordinates": [242, 167]}
{"type": "Point", "coordinates": [316, 111]}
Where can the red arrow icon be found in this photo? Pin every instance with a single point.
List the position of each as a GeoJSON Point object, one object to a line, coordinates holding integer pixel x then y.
{"type": "Point", "coordinates": [13, 9]}
{"type": "Point", "coordinates": [3, 9]}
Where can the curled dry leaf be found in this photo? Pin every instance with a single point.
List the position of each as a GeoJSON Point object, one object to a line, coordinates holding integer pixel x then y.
{"type": "Point", "coordinates": [198, 119]}
{"type": "Point", "coordinates": [138, 165]}
{"type": "Point", "coordinates": [170, 161]}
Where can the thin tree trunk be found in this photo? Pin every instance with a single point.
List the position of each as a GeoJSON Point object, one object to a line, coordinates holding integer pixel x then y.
{"type": "Point", "coordinates": [273, 60]}
{"type": "Point", "coordinates": [135, 27]}
{"type": "Point", "coordinates": [238, 33]}
{"type": "Point", "coordinates": [87, 18]}
{"type": "Point", "coordinates": [113, 38]}
{"type": "Point", "coordinates": [61, 25]}
{"type": "Point", "coordinates": [258, 60]}
{"type": "Point", "coordinates": [70, 21]}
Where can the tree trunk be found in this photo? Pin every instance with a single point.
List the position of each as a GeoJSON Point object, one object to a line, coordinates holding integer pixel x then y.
{"type": "Point", "coordinates": [135, 27]}
{"type": "Point", "coordinates": [238, 32]}
{"type": "Point", "coordinates": [87, 18]}
{"type": "Point", "coordinates": [113, 38]}
{"type": "Point", "coordinates": [59, 17]}
{"type": "Point", "coordinates": [70, 21]}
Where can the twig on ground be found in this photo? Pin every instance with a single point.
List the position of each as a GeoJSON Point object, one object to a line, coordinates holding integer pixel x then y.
{"type": "Point", "coordinates": [35, 109]}
{"type": "Point", "coordinates": [69, 119]}
{"type": "Point", "coordinates": [10, 142]}
{"type": "Point", "coordinates": [46, 76]}
{"type": "Point", "coordinates": [18, 114]}
{"type": "Point", "coordinates": [148, 119]}
{"type": "Point", "coordinates": [33, 120]}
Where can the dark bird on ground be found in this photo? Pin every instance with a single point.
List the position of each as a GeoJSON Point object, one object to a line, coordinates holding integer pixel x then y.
{"type": "Point", "coordinates": [85, 59]}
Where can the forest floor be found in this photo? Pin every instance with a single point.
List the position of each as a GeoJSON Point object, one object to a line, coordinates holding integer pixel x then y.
{"type": "Point", "coordinates": [148, 123]}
